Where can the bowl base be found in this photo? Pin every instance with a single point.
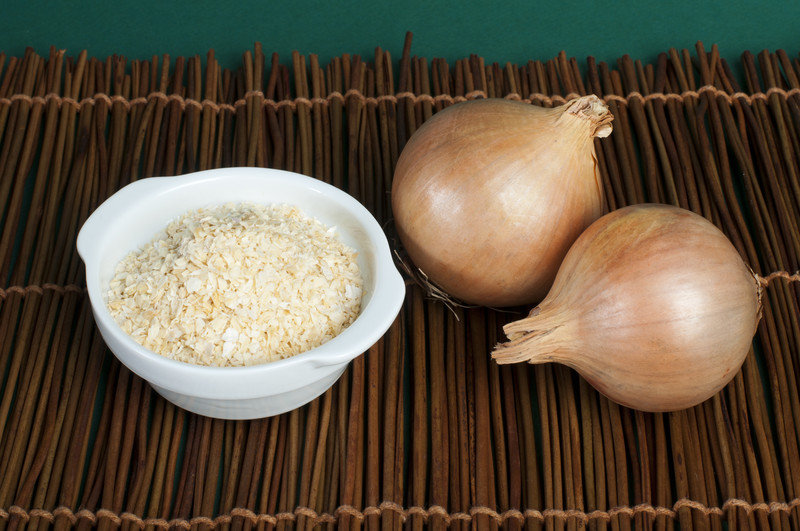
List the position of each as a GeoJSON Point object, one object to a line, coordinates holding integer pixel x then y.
{"type": "Point", "coordinates": [251, 408]}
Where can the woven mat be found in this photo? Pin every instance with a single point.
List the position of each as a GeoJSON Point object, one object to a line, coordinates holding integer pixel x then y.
{"type": "Point", "coordinates": [423, 430]}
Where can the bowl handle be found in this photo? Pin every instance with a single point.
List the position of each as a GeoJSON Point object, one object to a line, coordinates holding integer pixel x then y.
{"type": "Point", "coordinates": [395, 288]}
{"type": "Point", "coordinates": [95, 225]}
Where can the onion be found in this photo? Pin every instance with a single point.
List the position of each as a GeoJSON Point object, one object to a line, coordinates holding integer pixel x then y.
{"type": "Point", "coordinates": [652, 305]}
{"type": "Point", "coordinates": [488, 195]}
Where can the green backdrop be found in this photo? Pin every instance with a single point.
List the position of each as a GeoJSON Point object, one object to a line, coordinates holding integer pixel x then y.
{"type": "Point", "coordinates": [497, 31]}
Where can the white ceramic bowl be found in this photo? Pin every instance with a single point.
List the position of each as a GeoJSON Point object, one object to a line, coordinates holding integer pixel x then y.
{"type": "Point", "coordinates": [131, 218]}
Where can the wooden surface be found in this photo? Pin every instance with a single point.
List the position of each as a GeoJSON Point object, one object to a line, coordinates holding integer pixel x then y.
{"type": "Point", "coordinates": [423, 430]}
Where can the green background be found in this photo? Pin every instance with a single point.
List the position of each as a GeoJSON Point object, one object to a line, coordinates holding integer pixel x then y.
{"type": "Point", "coordinates": [497, 31]}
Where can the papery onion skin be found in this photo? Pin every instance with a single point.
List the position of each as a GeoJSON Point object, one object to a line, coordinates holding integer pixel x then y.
{"type": "Point", "coordinates": [652, 305]}
{"type": "Point", "coordinates": [488, 195]}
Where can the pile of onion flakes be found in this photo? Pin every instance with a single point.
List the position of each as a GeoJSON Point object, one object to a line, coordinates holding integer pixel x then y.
{"type": "Point", "coordinates": [235, 285]}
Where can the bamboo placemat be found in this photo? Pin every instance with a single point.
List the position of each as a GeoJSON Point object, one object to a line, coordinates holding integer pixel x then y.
{"type": "Point", "coordinates": [423, 430]}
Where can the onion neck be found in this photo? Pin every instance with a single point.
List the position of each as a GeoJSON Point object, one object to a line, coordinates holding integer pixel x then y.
{"type": "Point", "coordinates": [595, 111]}
{"type": "Point", "coordinates": [539, 338]}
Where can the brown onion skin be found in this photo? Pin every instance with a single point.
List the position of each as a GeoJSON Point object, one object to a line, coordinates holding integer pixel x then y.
{"type": "Point", "coordinates": [486, 203]}
{"type": "Point", "coordinates": [652, 305]}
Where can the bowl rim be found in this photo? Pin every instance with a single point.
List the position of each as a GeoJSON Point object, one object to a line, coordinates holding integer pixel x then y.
{"type": "Point", "coordinates": [367, 329]}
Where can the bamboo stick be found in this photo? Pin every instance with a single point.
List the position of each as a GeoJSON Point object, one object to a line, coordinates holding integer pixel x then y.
{"type": "Point", "coordinates": [501, 447]}
{"type": "Point", "coordinates": [458, 405]}
{"type": "Point", "coordinates": [392, 465]}
{"type": "Point", "coordinates": [437, 494]}
{"type": "Point", "coordinates": [483, 474]}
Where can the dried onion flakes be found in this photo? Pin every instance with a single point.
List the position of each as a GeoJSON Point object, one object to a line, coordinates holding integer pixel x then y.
{"type": "Point", "coordinates": [238, 284]}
